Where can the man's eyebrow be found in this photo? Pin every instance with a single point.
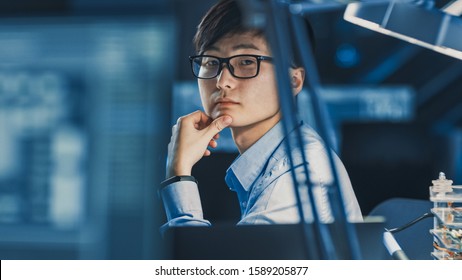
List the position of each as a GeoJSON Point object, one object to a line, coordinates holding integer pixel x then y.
{"type": "Point", "coordinates": [245, 46]}
{"type": "Point", "coordinates": [236, 47]}
{"type": "Point", "coordinates": [212, 48]}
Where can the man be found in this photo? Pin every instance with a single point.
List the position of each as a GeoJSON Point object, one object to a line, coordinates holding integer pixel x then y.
{"type": "Point", "coordinates": [238, 90]}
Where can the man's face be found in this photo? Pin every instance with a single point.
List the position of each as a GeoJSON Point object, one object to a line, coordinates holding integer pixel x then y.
{"type": "Point", "coordinates": [247, 101]}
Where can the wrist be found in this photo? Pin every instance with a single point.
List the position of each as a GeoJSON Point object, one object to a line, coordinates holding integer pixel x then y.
{"type": "Point", "coordinates": [175, 179]}
{"type": "Point", "coordinates": [178, 170]}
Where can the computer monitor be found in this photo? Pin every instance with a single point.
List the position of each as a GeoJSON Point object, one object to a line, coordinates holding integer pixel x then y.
{"type": "Point", "coordinates": [261, 242]}
{"type": "Point", "coordinates": [84, 125]}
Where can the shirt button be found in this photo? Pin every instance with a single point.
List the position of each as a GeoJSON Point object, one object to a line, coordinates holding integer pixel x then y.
{"type": "Point", "coordinates": [244, 204]}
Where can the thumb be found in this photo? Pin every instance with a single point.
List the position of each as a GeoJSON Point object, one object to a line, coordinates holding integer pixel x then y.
{"type": "Point", "coordinates": [219, 124]}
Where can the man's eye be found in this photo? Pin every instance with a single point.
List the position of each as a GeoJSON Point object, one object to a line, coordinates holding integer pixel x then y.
{"type": "Point", "coordinates": [247, 62]}
{"type": "Point", "coordinates": [210, 63]}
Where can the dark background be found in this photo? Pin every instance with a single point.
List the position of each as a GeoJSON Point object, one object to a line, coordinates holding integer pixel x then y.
{"type": "Point", "coordinates": [384, 158]}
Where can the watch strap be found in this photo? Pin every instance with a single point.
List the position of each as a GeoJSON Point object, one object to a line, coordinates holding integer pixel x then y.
{"type": "Point", "coordinates": [175, 179]}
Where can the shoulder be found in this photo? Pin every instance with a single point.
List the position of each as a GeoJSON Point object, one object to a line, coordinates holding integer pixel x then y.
{"type": "Point", "coordinates": [314, 155]}
{"type": "Point", "coordinates": [312, 145]}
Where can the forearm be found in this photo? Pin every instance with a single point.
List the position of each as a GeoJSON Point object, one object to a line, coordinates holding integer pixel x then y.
{"type": "Point", "coordinates": [192, 135]}
{"type": "Point", "coordinates": [183, 205]}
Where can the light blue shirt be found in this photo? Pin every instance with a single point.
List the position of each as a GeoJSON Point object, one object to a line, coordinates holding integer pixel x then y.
{"type": "Point", "coordinates": [262, 180]}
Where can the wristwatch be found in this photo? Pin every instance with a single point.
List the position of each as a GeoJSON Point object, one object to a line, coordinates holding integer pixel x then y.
{"type": "Point", "coordinates": [175, 179]}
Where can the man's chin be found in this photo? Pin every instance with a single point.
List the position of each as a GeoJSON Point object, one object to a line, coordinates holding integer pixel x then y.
{"type": "Point", "coordinates": [216, 115]}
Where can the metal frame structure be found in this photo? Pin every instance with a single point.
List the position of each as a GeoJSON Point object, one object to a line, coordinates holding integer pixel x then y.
{"type": "Point", "coordinates": [278, 18]}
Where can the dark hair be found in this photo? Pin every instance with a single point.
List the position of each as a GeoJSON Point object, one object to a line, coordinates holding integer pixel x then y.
{"type": "Point", "coordinates": [225, 18]}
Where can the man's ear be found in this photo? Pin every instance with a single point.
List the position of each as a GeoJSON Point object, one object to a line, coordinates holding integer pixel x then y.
{"type": "Point", "coordinates": [297, 79]}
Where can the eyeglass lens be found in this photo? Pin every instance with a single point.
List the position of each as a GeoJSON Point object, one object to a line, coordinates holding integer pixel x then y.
{"type": "Point", "coordinates": [239, 66]}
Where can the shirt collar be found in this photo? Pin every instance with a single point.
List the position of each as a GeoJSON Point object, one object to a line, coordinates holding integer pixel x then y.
{"type": "Point", "coordinates": [249, 165]}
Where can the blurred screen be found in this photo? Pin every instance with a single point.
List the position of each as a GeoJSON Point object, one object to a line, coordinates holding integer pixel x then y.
{"type": "Point", "coordinates": [84, 122]}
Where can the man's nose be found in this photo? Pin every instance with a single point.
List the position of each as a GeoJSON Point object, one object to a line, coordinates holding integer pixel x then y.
{"type": "Point", "coordinates": [225, 78]}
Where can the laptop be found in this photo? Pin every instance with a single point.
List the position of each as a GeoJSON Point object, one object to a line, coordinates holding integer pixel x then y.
{"type": "Point", "coordinates": [263, 242]}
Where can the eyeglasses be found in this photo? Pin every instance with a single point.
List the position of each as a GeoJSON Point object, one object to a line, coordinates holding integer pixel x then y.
{"type": "Point", "coordinates": [243, 66]}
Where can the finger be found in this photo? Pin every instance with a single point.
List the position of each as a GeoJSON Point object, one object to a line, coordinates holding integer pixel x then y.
{"type": "Point", "coordinates": [216, 136]}
{"type": "Point", "coordinates": [207, 153]}
{"type": "Point", "coordinates": [200, 119]}
{"type": "Point", "coordinates": [213, 144]}
{"type": "Point", "coordinates": [218, 125]}
{"type": "Point", "coordinates": [206, 120]}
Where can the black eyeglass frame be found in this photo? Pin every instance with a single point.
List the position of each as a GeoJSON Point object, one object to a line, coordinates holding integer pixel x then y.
{"type": "Point", "coordinates": [225, 60]}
